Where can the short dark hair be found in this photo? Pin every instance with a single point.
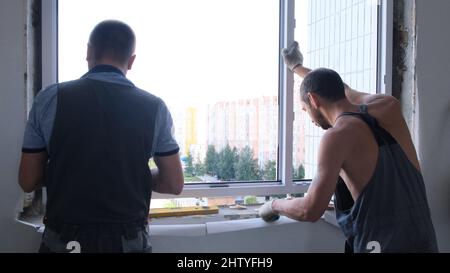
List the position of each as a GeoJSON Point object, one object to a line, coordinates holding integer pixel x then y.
{"type": "Point", "coordinates": [113, 39]}
{"type": "Point", "coordinates": [324, 82]}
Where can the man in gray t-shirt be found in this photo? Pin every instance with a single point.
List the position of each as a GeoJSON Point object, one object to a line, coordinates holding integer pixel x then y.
{"type": "Point", "coordinates": [89, 142]}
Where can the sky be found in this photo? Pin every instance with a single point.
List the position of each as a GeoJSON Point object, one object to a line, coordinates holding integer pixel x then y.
{"type": "Point", "coordinates": [189, 53]}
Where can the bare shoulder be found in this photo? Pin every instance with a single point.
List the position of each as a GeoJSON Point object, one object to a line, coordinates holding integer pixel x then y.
{"type": "Point", "coordinates": [344, 128]}
{"type": "Point", "coordinates": [384, 104]}
{"type": "Point", "coordinates": [334, 134]}
{"type": "Point", "coordinates": [338, 137]}
{"type": "Point", "coordinates": [347, 133]}
{"type": "Point", "coordinates": [388, 112]}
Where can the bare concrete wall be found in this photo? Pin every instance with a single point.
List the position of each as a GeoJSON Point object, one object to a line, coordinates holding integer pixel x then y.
{"type": "Point", "coordinates": [404, 85]}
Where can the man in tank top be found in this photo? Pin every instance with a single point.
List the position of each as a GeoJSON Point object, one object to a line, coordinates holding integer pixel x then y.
{"type": "Point", "coordinates": [367, 160]}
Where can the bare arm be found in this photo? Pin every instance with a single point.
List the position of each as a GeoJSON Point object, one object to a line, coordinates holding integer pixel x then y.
{"type": "Point", "coordinates": [168, 177]}
{"type": "Point", "coordinates": [32, 171]}
{"type": "Point", "coordinates": [354, 96]}
{"type": "Point", "coordinates": [311, 207]}
{"type": "Point", "coordinates": [293, 59]}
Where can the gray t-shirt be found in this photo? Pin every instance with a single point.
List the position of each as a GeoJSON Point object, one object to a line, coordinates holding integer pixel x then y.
{"type": "Point", "coordinates": [42, 115]}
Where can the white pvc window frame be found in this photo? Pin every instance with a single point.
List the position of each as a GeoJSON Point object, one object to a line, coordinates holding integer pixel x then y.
{"type": "Point", "coordinates": [385, 46]}
{"type": "Point", "coordinates": [285, 185]}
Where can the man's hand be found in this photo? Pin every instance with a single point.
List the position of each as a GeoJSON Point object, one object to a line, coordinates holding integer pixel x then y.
{"type": "Point", "coordinates": [266, 212]}
{"type": "Point", "coordinates": [292, 56]}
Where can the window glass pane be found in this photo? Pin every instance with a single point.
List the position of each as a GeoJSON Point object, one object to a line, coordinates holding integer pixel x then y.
{"type": "Point", "coordinates": [214, 63]}
{"type": "Point", "coordinates": [341, 36]}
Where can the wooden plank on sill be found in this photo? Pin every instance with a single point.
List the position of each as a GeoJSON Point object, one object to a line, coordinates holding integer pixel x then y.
{"type": "Point", "coordinates": [186, 211]}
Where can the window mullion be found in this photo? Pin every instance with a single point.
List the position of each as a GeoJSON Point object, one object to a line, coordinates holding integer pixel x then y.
{"type": "Point", "coordinates": [286, 83]}
{"type": "Point", "coordinates": [384, 27]}
{"type": "Point", "coordinates": [49, 42]}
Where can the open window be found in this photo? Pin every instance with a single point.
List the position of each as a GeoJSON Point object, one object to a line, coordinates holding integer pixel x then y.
{"type": "Point", "coordinates": [340, 35]}
{"type": "Point", "coordinates": [217, 65]}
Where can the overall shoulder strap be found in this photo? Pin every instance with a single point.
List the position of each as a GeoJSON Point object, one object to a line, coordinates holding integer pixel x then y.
{"type": "Point", "coordinates": [382, 136]}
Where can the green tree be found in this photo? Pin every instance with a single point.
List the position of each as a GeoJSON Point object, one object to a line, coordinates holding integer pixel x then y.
{"type": "Point", "coordinates": [189, 170]}
{"type": "Point", "coordinates": [270, 170]}
{"type": "Point", "coordinates": [199, 168]}
{"type": "Point", "coordinates": [227, 158]}
{"type": "Point", "coordinates": [298, 173]}
{"type": "Point", "coordinates": [211, 160]}
{"type": "Point", "coordinates": [247, 168]}
{"type": "Point", "coordinates": [236, 154]}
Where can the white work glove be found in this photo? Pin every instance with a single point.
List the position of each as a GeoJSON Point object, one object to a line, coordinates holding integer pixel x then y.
{"type": "Point", "coordinates": [292, 56]}
{"type": "Point", "coordinates": [266, 212]}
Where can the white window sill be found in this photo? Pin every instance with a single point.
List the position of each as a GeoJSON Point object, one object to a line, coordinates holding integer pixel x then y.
{"type": "Point", "coordinates": [330, 217]}
{"type": "Point", "coordinates": [192, 226]}
{"type": "Point", "coordinates": [210, 228]}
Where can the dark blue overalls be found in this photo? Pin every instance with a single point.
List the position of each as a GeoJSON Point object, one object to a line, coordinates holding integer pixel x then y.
{"type": "Point", "coordinates": [391, 214]}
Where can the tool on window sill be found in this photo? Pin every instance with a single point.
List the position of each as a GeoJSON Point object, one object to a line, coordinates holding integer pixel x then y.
{"type": "Point", "coordinates": [186, 211]}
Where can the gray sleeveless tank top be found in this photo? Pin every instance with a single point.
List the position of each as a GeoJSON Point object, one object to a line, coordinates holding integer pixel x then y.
{"type": "Point", "coordinates": [392, 213]}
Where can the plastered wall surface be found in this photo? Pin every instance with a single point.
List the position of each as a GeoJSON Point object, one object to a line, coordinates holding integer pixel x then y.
{"type": "Point", "coordinates": [14, 237]}
{"type": "Point", "coordinates": [433, 85]}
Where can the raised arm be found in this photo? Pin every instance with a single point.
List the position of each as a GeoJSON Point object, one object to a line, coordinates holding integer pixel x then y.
{"type": "Point", "coordinates": [294, 61]}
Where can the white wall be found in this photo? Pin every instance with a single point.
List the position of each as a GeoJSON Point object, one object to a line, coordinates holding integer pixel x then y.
{"type": "Point", "coordinates": [433, 79]}
{"type": "Point", "coordinates": [14, 237]}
